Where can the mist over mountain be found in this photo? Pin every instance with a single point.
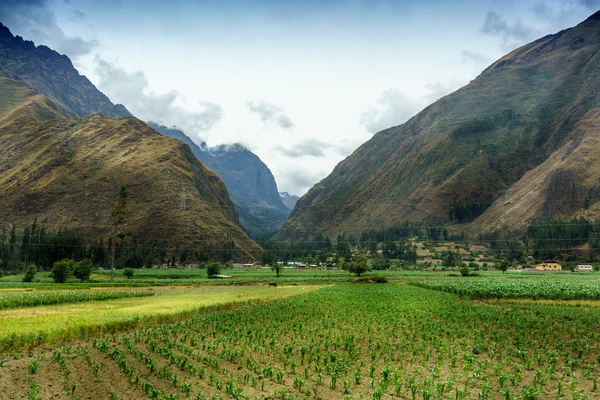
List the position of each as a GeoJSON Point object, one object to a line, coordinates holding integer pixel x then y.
{"type": "Point", "coordinates": [519, 142]}
{"type": "Point", "coordinates": [249, 181]}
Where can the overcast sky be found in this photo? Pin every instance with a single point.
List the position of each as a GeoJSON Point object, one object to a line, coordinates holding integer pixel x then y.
{"type": "Point", "coordinates": [300, 83]}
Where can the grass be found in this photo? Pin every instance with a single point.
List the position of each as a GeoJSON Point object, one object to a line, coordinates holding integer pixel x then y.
{"type": "Point", "coordinates": [30, 327]}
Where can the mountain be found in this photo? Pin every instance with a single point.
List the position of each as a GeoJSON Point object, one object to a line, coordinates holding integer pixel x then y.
{"type": "Point", "coordinates": [54, 76]}
{"type": "Point", "coordinates": [519, 142]}
{"type": "Point", "coordinates": [288, 200]}
{"type": "Point", "coordinates": [68, 172]}
{"type": "Point", "coordinates": [250, 183]}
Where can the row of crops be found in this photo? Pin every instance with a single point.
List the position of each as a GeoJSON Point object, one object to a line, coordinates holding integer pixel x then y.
{"type": "Point", "coordinates": [341, 342]}
{"type": "Point", "coordinates": [556, 289]}
{"type": "Point", "coordinates": [51, 297]}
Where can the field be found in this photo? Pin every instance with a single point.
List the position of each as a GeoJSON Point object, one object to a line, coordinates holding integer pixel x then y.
{"type": "Point", "coordinates": [565, 289]}
{"type": "Point", "coordinates": [346, 341]}
{"type": "Point", "coordinates": [24, 328]}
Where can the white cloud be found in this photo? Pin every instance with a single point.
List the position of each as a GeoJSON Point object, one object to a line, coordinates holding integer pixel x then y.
{"type": "Point", "coordinates": [132, 90]}
{"type": "Point", "coordinates": [393, 108]}
{"type": "Point", "coordinates": [34, 20]}
{"type": "Point", "coordinates": [271, 114]}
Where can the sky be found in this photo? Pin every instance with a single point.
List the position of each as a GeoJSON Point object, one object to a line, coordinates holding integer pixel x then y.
{"type": "Point", "coordinates": [300, 83]}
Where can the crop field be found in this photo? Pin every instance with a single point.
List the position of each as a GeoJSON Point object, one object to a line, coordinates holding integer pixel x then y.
{"type": "Point", "coordinates": [50, 297]}
{"type": "Point", "coordinates": [25, 328]}
{"type": "Point", "coordinates": [555, 289]}
{"type": "Point", "coordinates": [339, 342]}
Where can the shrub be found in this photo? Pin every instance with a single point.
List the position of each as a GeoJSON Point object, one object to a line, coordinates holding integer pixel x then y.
{"type": "Point", "coordinates": [371, 279]}
{"type": "Point", "coordinates": [83, 270]}
{"type": "Point", "coordinates": [212, 269]}
{"type": "Point", "coordinates": [128, 273]}
{"type": "Point", "coordinates": [465, 271]}
{"type": "Point", "coordinates": [61, 270]}
{"type": "Point", "coordinates": [30, 273]}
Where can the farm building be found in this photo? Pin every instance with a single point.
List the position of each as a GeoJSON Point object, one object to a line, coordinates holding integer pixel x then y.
{"type": "Point", "coordinates": [584, 268]}
{"type": "Point", "coordinates": [550, 266]}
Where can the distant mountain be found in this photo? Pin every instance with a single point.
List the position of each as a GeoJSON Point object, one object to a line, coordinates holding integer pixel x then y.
{"type": "Point", "coordinates": [54, 76]}
{"type": "Point", "coordinates": [250, 183]}
{"type": "Point", "coordinates": [288, 200]}
{"type": "Point", "coordinates": [520, 142]}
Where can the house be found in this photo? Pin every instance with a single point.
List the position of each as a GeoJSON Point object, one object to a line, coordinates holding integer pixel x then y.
{"type": "Point", "coordinates": [548, 266]}
{"type": "Point", "coordinates": [584, 268]}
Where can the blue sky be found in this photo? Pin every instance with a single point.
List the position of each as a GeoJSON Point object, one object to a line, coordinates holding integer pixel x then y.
{"type": "Point", "coordinates": [301, 83]}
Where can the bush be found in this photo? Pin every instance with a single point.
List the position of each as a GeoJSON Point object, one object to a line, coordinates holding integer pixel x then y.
{"type": "Point", "coordinates": [30, 273]}
{"type": "Point", "coordinates": [61, 270]}
{"type": "Point", "coordinates": [83, 270]}
{"type": "Point", "coordinates": [371, 279]}
{"type": "Point", "coordinates": [128, 272]}
{"type": "Point", "coordinates": [464, 271]}
{"type": "Point", "coordinates": [213, 268]}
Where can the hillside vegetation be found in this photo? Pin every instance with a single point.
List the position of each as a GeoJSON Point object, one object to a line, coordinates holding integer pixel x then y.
{"type": "Point", "coordinates": [69, 173]}
{"type": "Point", "coordinates": [519, 142]}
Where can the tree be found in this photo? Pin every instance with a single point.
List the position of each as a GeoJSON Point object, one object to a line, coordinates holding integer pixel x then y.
{"type": "Point", "coordinates": [504, 266]}
{"type": "Point", "coordinates": [212, 269]}
{"type": "Point", "coordinates": [465, 271]}
{"type": "Point", "coordinates": [277, 268]}
{"type": "Point", "coordinates": [128, 272]}
{"type": "Point", "coordinates": [61, 270]}
{"type": "Point", "coordinates": [358, 266]}
{"type": "Point", "coordinates": [30, 273]}
{"type": "Point", "coordinates": [381, 264]}
{"type": "Point", "coordinates": [83, 270]}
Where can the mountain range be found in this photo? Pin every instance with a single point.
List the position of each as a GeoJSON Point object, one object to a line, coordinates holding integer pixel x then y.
{"type": "Point", "coordinates": [518, 143]}
{"type": "Point", "coordinates": [63, 164]}
{"type": "Point", "coordinates": [289, 200]}
{"type": "Point", "coordinates": [250, 183]}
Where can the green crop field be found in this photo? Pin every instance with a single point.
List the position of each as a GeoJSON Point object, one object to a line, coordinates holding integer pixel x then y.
{"type": "Point", "coordinates": [51, 297]}
{"type": "Point", "coordinates": [24, 328]}
{"type": "Point", "coordinates": [555, 289]}
{"type": "Point", "coordinates": [338, 342]}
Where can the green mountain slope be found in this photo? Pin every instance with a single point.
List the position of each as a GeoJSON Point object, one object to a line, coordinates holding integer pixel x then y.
{"type": "Point", "coordinates": [250, 183]}
{"type": "Point", "coordinates": [457, 157]}
{"type": "Point", "coordinates": [54, 76]}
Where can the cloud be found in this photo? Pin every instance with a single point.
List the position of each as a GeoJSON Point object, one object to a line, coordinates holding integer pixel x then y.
{"type": "Point", "coordinates": [34, 20]}
{"type": "Point", "coordinates": [393, 108]}
{"type": "Point", "coordinates": [298, 179]}
{"type": "Point", "coordinates": [474, 57]}
{"type": "Point", "coordinates": [308, 147]}
{"type": "Point", "coordinates": [77, 16]}
{"type": "Point", "coordinates": [546, 16]}
{"type": "Point", "coordinates": [132, 90]}
{"type": "Point", "coordinates": [437, 90]}
{"type": "Point", "coordinates": [271, 114]}
{"type": "Point", "coordinates": [76, 47]}
{"type": "Point", "coordinates": [316, 148]}
{"type": "Point", "coordinates": [496, 25]}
